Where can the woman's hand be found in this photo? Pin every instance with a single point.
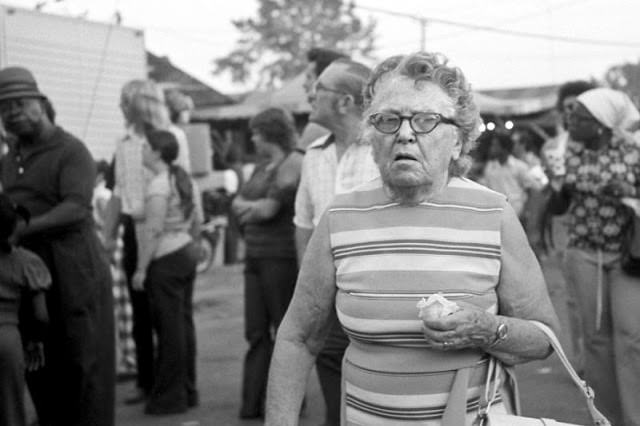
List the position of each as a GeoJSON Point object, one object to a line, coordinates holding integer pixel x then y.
{"type": "Point", "coordinates": [470, 327]}
{"type": "Point", "coordinates": [34, 355]}
{"type": "Point", "coordinates": [137, 282]}
{"type": "Point", "coordinates": [241, 209]}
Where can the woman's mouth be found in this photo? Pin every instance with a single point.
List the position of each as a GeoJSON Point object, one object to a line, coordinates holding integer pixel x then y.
{"type": "Point", "coordinates": [403, 156]}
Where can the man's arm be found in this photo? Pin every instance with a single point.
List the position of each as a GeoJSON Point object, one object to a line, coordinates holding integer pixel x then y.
{"type": "Point", "coordinates": [76, 179]}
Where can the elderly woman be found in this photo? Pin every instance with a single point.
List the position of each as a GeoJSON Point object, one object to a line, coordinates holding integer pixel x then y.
{"type": "Point", "coordinates": [264, 209]}
{"type": "Point", "coordinates": [602, 167]}
{"type": "Point", "coordinates": [420, 229]}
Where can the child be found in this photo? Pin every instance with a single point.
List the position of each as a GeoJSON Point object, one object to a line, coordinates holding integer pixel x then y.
{"type": "Point", "coordinates": [23, 277]}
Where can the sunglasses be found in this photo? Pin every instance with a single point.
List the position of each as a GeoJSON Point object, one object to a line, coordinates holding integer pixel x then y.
{"type": "Point", "coordinates": [420, 122]}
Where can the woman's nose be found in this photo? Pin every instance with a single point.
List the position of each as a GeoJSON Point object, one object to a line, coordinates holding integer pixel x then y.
{"type": "Point", "coordinates": [406, 133]}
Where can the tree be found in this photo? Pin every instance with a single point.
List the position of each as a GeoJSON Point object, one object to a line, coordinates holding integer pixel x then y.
{"type": "Point", "coordinates": [626, 78]}
{"type": "Point", "coordinates": [277, 40]}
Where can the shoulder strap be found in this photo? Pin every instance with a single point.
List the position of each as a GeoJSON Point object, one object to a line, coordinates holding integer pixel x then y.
{"type": "Point", "coordinates": [587, 392]}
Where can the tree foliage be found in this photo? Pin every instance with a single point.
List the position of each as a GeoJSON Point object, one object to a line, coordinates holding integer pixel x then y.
{"type": "Point", "coordinates": [273, 45]}
{"type": "Point", "coordinates": [625, 77]}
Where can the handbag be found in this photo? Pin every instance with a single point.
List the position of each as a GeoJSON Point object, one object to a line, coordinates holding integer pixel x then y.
{"type": "Point", "coordinates": [486, 418]}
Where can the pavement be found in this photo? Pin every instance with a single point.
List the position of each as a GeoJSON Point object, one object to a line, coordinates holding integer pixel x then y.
{"type": "Point", "coordinates": [545, 389]}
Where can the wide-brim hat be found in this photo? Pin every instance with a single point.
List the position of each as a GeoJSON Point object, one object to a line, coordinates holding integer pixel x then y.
{"type": "Point", "coordinates": [18, 82]}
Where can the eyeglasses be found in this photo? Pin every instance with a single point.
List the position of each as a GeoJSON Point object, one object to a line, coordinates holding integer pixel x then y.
{"type": "Point", "coordinates": [420, 122]}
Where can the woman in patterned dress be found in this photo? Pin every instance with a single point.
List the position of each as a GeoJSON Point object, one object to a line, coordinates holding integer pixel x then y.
{"type": "Point", "coordinates": [418, 230]}
{"type": "Point", "coordinates": [602, 167]}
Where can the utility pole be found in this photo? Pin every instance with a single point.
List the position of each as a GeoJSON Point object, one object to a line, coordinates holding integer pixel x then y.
{"type": "Point", "coordinates": [423, 34]}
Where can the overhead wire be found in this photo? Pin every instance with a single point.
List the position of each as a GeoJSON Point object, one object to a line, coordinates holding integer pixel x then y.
{"type": "Point", "coordinates": [513, 20]}
{"type": "Point", "coordinates": [514, 33]}
{"type": "Point", "coordinates": [501, 22]}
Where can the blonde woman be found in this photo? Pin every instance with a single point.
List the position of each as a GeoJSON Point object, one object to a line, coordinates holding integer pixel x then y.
{"type": "Point", "coordinates": [143, 107]}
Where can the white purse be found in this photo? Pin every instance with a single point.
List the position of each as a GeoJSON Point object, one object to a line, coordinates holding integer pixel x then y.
{"type": "Point", "coordinates": [486, 418]}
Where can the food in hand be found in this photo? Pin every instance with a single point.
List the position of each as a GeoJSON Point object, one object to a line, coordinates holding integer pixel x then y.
{"type": "Point", "coordinates": [436, 306]}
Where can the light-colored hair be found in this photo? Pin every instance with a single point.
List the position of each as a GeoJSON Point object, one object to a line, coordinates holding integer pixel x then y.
{"type": "Point", "coordinates": [353, 78]}
{"type": "Point", "coordinates": [433, 67]}
{"type": "Point", "coordinates": [144, 106]}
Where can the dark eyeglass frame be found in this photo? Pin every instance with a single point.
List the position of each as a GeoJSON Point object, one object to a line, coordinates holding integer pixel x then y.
{"type": "Point", "coordinates": [373, 119]}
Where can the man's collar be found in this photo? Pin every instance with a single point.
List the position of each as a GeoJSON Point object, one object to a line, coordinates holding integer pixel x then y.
{"type": "Point", "coordinates": [323, 142]}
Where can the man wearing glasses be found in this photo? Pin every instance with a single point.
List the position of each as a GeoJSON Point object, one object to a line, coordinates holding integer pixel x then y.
{"type": "Point", "coordinates": [52, 174]}
{"type": "Point", "coordinates": [333, 164]}
{"type": "Point", "coordinates": [319, 59]}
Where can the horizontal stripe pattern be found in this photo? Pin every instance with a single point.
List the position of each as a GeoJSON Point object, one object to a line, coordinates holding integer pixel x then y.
{"type": "Point", "coordinates": [359, 232]}
{"type": "Point", "coordinates": [419, 413]}
{"type": "Point", "coordinates": [419, 262]}
{"type": "Point", "coordinates": [393, 318]}
{"type": "Point", "coordinates": [387, 257]}
{"type": "Point", "coordinates": [416, 282]}
{"type": "Point", "coordinates": [452, 221]}
{"type": "Point", "coordinates": [423, 397]}
{"type": "Point", "coordinates": [420, 247]}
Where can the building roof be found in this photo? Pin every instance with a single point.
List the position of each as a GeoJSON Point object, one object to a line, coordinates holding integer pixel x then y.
{"type": "Point", "coordinates": [168, 75]}
{"type": "Point", "coordinates": [291, 96]}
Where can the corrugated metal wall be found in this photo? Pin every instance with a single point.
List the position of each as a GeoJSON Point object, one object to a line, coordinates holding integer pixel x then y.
{"type": "Point", "coordinates": [80, 65]}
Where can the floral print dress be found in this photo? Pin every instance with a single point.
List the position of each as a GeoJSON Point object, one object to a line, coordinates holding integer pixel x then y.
{"type": "Point", "coordinates": [598, 221]}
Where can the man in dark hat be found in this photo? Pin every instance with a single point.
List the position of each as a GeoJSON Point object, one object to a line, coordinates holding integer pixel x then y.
{"type": "Point", "coordinates": [51, 173]}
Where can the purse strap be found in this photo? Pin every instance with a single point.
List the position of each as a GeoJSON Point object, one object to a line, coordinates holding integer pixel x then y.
{"type": "Point", "coordinates": [493, 376]}
{"type": "Point", "coordinates": [598, 418]}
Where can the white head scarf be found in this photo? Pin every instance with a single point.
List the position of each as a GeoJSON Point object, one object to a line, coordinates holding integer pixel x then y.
{"type": "Point", "coordinates": [611, 108]}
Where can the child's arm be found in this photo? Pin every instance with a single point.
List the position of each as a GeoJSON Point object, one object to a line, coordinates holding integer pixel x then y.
{"type": "Point", "coordinates": [34, 348]}
{"type": "Point", "coordinates": [39, 307]}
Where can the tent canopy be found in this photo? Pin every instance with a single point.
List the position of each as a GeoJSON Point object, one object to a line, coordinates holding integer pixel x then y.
{"type": "Point", "coordinates": [292, 97]}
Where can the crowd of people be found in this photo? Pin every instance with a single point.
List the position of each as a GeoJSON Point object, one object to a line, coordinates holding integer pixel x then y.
{"type": "Point", "coordinates": [390, 194]}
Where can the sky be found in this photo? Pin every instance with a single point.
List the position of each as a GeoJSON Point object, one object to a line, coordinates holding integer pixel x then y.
{"type": "Point", "coordinates": [192, 33]}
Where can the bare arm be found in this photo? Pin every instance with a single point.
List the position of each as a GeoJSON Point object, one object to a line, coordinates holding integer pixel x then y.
{"type": "Point", "coordinates": [522, 296]}
{"type": "Point", "coordinates": [281, 193]}
{"type": "Point", "coordinates": [302, 332]}
{"type": "Point", "coordinates": [151, 231]}
{"type": "Point", "coordinates": [39, 307]}
{"type": "Point", "coordinates": [303, 235]}
{"type": "Point", "coordinates": [251, 211]}
{"type": "Point", "coordinates": [75, 183]}
{"type": "Point", "coordinates": [64, 214]}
